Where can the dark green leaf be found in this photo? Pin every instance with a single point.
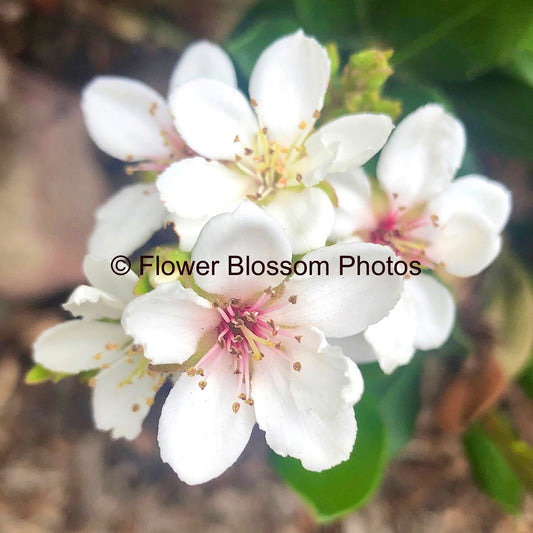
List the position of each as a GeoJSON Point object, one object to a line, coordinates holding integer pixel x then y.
{"type": "Point", "coordinates": [349, 485]}
{"type": "Point", "coordinates": [39, 374]}
{"type": "Point", "coordinates": [491, 471]}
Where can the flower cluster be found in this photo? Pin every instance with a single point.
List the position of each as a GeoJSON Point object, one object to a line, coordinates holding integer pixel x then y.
{"type": "Point", "coordinates": [255, 178]}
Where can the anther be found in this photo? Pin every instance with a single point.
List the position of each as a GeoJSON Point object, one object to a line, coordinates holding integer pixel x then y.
{"type": "Point", "coordinates": [293, 299]}
{"type": "Point", "coordinates": [265, 131]}
{"type": "Point", "coordinates": [149, 402]}
{"type": "Point", "coordinates": [111, 346]}
{"type": "Point", "coordinates": [249, 401]}
{"type": "Point", "coordinates": [278, 345]}
{"type": "Point", "coordinates": [135, 407]}
{"type": "Point", "coordinates": [235, 407]}
{"type": "Point", "coordinates": [297, 366]}
{"type": "Point", "coordinates": [298, 338]}
{"type": "Point", "coordinates": [316, 114]}
{"type": "Point", "coordinates": [202, 384]}
{"type": "Point", "coordinates": [98, 356]}
{"type": "Point", "coordinates": [191, 372]}
{"type": "Point", "coordinates": [153, 108]}
{"type": "Point", "coordinates": [248, 151]}
{"type": "Point", "coordinates": [299, 178]}
{"type": "Point", "coordinates": [236, 140]}
{"type": "Point", "coordinates": [200, 372]}
{"type": "Point", "coordinates": [253, 102]}
{"type": "Point", "coordinates": [91, 382]}
{"type": "Point", "coordinates": [302, 125]}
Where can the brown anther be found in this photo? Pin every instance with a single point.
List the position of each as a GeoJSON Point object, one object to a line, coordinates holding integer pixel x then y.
{"type": "Point", "coordinates": [284, 150]}
{"type": "Point", "coordinates": [248, 151]}
{"type": "Point", "coordinates": [221, 343]}
{"type": "Point", "coordinates": [191, 372]}
{"type": "Point", "coordinates": [111, 346]}
{"type": "Point", "coordinates": [156, 387]}
{"type": "Point", "coordinates": [259, 157]}
{"type": "Point", "coordinates": [237, 157]}
{"type": "Point", "coordinates": [153, 108]}
{"type": "Point", "coordinates": [271, 151]}
{"type": "Point", "coordinates": [395, 195]}
{"type": "Point", "coordinates": [298, 338]}
{"type": "Point", "coordinates": [200, 372]}
{"type": "Point", "coordinates": [149, 402]}
{"type": "Point", "coordinates": [249, 401]}
{"type": "Point", "coordinates": [261, 355]}
{"type": "Point", "coordinates": [237, 372]}
{"type": "Point", "coordinates": [302, 125]}
{"type": "Point", "coordinates": [253, 102]}
{"type": "Point", "coordinates": [293, 299]}
{"type": "Point", "coordinates": [236, 140]}
{"type": "Point", "coordinates": [242, 396]}
{"type": "Point", "coordinates": [202, 384]}
{"type": "Point", "coordinates": [235, 407]}
{"type": "Point", "coordinates": [278, 345]}
{"type": "Point", "coordinates": [130, 361]}
{"type": "Point", "coordinates": [238, 338]}
{"type": "Point", "coordinates": [299, 178]}
{"type": "Point", "coordinates": [105, 365]}
{"type": "Point", "coordinates": [297, 366]}
{"type": "Point", "coordinates": [316, 114]}
{"type": "Point", "coordinates": [98, 356]}
{"type": "Point", "coordinates": [235, 301]}
{"type": "Point", "coordinates": [264, 130]}
{"type": "Point", "coordinates": [135, 407]}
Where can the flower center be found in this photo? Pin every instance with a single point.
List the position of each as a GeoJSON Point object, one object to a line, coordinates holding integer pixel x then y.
{"type": "Point", "coordinates": [272, 165]}
{"type": "Point", "coordinates": [245, 332]}
{"type": "Point", "coordinates": [400, 229]}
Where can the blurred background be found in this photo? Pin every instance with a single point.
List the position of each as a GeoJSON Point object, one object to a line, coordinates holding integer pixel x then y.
{"type": "Point", "coordinates": [58, 474]}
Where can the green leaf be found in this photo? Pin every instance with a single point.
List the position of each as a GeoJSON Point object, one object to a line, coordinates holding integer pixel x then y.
{"type": "Point", "coordinates": [246, 47]}
{"type": "Point", "coordinates": [491, 471]}
{"type": "Point", "coordinates": [39, 374]}
{"type": "Point", "coordinates": [143, 285]}
{"type": "Point", "coordinates": [348, 486]}
{"type": "Point", "coordinates": [498, 112]}
{"type": "Point", "coordinates": [451, 40]}
{"type": "Point", "coordinates": [509, 295]}
{"type": "Point", "coordinates": [398, 397]}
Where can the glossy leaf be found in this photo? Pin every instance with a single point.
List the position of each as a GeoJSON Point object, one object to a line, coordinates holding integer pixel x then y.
{"type": "Point", "coordinates": [348, 486]}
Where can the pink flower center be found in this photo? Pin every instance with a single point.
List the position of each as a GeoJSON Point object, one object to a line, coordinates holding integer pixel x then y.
{"type": "Point", "coordinates": [245, 333]}
{"type": "Point", "coordinates": [400, 229]}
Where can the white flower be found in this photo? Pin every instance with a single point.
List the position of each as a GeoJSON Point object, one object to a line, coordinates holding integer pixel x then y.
{"type": "Point", "coordinates": [130, 121]}
{"type": "Point", "coordinates": [266, 148]}
{"type": "Point", "coordinates": [258, 353]}
{"type": "Point", "coordinates": [423, 216]}
{"type": "Point", "coordinates": [124, 389]}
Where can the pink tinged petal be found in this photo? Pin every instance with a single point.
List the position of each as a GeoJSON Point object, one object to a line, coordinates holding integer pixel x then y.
{"type": "Point", "coordinates": [434, 308]}
{"type": "Point", "coordinates": [422, 155]}
{"type": "Point", "coordinates": [288, 83]}
{"type": "Point", "coordinates": [359, 137]}
{"type": "Point", "coordinates": [203, 59]}
{"type": "Point", "coordinates": [326, 381]}
{"type": "Point", "coordinates": [354, 211]}
{"type": "Point", "coordinates": [342, 304]}
{"type": "Point", "coordinates": [475, 194]}
{"type": "Point", "coordinates": [319, 442]}
{"type": "Point", "coordinates": [125, 118]}
{"type": "Point", "coordinates": [466, 244]}
{"type": "Point", "coordinates": [393, 338]}
{"type": "Point", "coordinates": [100, 275]}
{"type": "Point", "coordinates": [356, 347]}
{"type": "Point", "coordinates": [248, 231]}
{"type": "Point", "coordinates": [209, 115]}
{"type": "Point", "coordinates": [168, 322]}
{"type": "Point", "coordinates": [306, 217]}
{"type": "Point", "coordinates": [79, 345]}
{"type": "Point", "coordinates": [127, 221]}
{"type": "Point", "coordinates": [121, 401]}
{"type": "Point", "coordinates": [200, 435]}
{"type": "Point", "coordinates": [195, 187]}
{"type": "Point", "coordinates": [93, 304]}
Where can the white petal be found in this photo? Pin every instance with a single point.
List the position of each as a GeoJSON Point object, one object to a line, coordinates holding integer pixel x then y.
{"type": "Point", "coordinates": [195, 187]}
{"type": "Point", "coordinates": [168, 322]}
{"type": "Point", "coordinates": [434, 307]}
{"type": "Point", "coordinates": [288, 83]}
{"type": "Point", "coordinates": [305, 216]}
{"type": "Point", "coordinates": [199, 434]}
{"type": "Point", "coordinates": [393, 338]}
{"type": "Point", "coordinates": [354, 211]}
{"type": "Point", "coordinates": [127, 221]}
{"type": "Point", "coordinates": [342, 304]}
{"type": "Point", "coordinates": [72, 346]}
{"type": "Point", "coordinates": [91, 303]}
{"type": "Point", "coordinates": [125, 118]}
{"type": "Point", "coordinates": [122, 401]}
{"type": "Point", "coordinates": [100, 275]}
{"type": "Point", "coordinates": [320, 443]}
{"type": "Point", "coordinates": [327, 381]}
{"type": "Point", "coordinates": [475, 194]}
{"type": "Point", "coordinates": [466, 244]}
{"type": "Point", "coordinates": [422, 155]}
{"type": "Point", "coordinates": [314, 167]}
{"type": "Point", "coordinates": [248, 231]}
{"type": "Point", "coordinates": [203, 59]}
{"type": "Point", "coordinates": [359, 137]}
{"type": "Point", "coordinates": [355, 347]}
{"type": "Point", "coordinates": [188, 230]}
{"type": "Point", "coordinates": [209, 115]}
